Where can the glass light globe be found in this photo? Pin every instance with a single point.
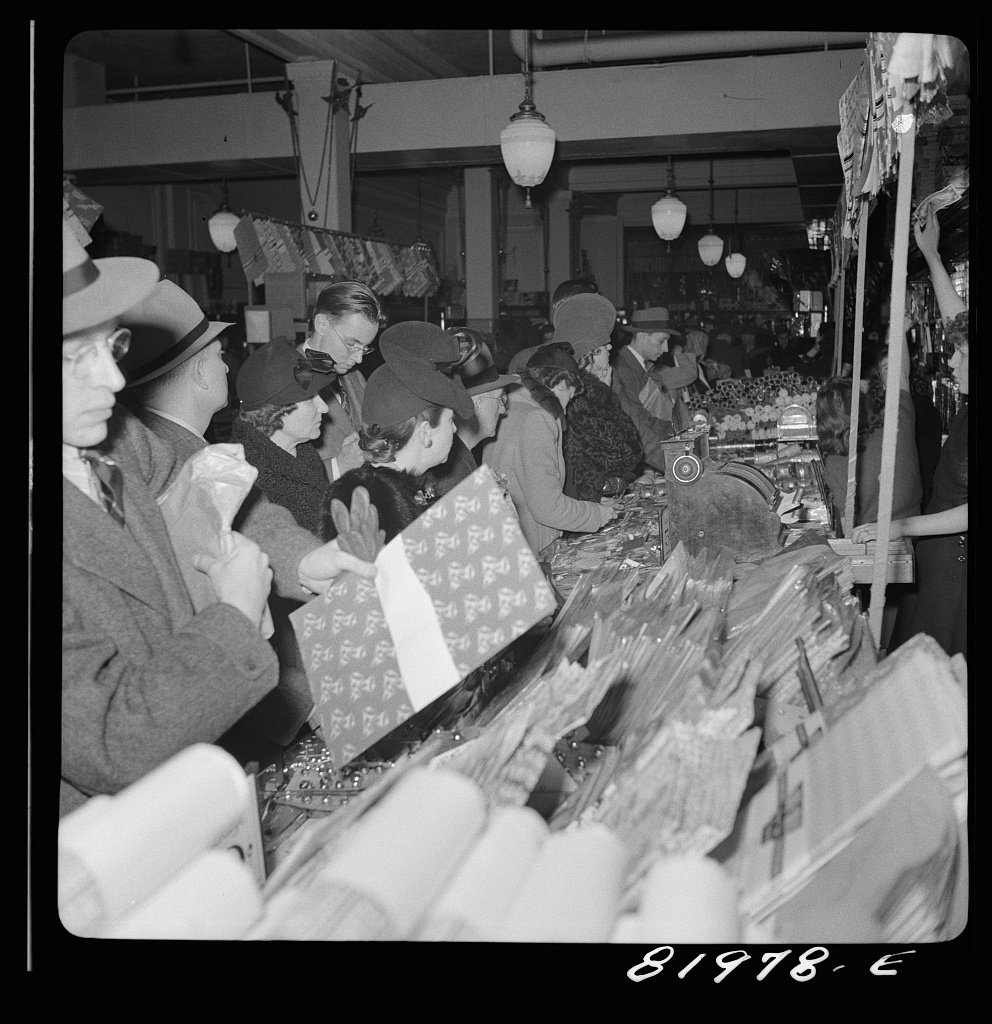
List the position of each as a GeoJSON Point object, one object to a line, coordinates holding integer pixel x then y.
{"type": "Point", "coordinates": [221, 226]}
{"type": "Point", "coordinates": [710, 249]}
{"type": "Point", "coordinates": [528, 146]}
{"type": "Point", "coordinates": [668, 216]}
{"type": "Point", "coordinates": [735, 263]}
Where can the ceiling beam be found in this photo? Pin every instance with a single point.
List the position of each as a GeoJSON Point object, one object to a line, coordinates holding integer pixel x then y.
{"type": "Point", "coordinates": [279, 42]}
{"type": "Point", "coordinates": [377, 55]}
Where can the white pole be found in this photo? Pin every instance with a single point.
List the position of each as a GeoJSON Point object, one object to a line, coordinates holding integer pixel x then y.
{"type": "Point", "coordinates": [839, 315]}
{"type": "Point", "coordinates": [859, 300]}
{"type": "Point", "coordinates": [897, 330]}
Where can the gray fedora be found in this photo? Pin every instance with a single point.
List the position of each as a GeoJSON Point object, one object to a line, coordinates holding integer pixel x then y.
{"type": "Point", "coordinates": [654, 318]}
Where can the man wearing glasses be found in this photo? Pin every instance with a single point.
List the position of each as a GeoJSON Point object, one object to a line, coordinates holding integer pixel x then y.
{"type": "Point", "coordinates": [143, 674]}
{"type": "Point", "coordinates": [346, 320]}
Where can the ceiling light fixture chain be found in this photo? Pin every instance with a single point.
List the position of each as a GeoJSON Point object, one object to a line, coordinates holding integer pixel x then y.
{"type": "Point", "coordinates": [528, 141]}
{"type": "Point", "coordinates": [359, 113]}
{"type": "Point", "coordinates": [736, 261]}
{"type": "Point", "coordinates": [668, 212]}
{"type": "Point", "coordinates": [285, 100]}
{"type": "Point", "coordinates": [711, 244]}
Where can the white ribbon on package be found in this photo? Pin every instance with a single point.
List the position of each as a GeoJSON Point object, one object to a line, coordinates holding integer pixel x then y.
{"type": "Point", "coordinates": [426, 665]}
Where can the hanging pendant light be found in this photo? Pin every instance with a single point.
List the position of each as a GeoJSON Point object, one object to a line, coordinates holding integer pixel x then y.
{"type": "Point", "coordinates": [528, 141]}
{"type": "Point", "coordinates": [736, 262]}
{"type": "Point", "coordinates": [221, 226]}
{"type": "Point", "coordinates": [668, 212]}
{"type": "Point", "coordinates": [711, 244]}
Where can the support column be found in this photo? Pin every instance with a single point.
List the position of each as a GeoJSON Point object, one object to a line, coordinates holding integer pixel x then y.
{"type": "Point", "coordinates": [558, 240]}
{"type": "Point", "coordinates": [897, 353]}
{"type": "Point", "coordinates": [324, 141]}
{"type": "Point", "coordinates": [481, 243]}
{"type": "Point", "coordinates": [574, 237]}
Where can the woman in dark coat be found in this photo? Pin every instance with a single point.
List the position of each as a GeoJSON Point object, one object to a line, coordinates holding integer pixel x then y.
{"type": "Point", "coordinates": [408, 427]}
{"type": "Point", "coordinates": [601, 442]}
{"type": "Point", "coordinates": [280, 417]}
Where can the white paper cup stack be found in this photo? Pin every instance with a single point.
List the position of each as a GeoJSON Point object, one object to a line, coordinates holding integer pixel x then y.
{"type": "Point", "coordinates": [115, 852]}
{"type": "Point", "coordinates": [572, 892]}
{"type": "Point", "coordinates": [214, 898]}
{"type": "Point", "coordinates": [686, 899]}
{"type": "Point", "coordinates": [475, 904]}
{"type": "Point", "coordinates": [397, 861]}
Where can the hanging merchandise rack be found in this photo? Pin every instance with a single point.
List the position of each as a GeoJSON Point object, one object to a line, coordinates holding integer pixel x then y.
{"type": "Point", "coordinates": [268, 245]}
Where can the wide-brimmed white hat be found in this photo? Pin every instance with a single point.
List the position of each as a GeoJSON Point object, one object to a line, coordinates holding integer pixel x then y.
{"type": "Point", "coordinates": [167, 328]}
{"type": "Point", "coordinates": [95, 291]}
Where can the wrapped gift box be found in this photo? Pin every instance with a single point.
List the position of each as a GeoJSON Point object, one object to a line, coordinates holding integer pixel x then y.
{"type": "Point", "coordinates": [454, 589]}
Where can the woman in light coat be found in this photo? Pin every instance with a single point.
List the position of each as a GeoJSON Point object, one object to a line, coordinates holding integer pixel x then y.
{"type": "Point", "coordinates": [527, 450]}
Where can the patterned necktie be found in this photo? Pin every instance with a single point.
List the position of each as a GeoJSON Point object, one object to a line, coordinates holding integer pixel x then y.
{"type": "Point", "coordinates": [342, 395]}
{"type": "Point", "coordinates": [110, 481]}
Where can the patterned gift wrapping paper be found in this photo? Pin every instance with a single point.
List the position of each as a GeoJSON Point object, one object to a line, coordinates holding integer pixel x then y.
{"type": "Point", "coordinates": [467, 561]}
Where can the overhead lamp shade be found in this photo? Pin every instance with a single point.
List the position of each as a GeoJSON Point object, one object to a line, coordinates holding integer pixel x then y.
{"type": "Point", "coordinates": [221, 226]}
{"type": "Point", "coordinates": [710, 249]}
{"type": "Point", "coordinates": [668, 216]}
{"type": "Point", "coordinates": [528, 146]}
{"type": "Point", "coordinates": [736, 264]}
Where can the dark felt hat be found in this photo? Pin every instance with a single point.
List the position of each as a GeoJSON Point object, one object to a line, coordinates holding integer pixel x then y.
{"type": "Point", "coordinates": [167, 328]}
{"type": "Point", "coordinates": [426, 359]}
{"type": "Point", "coordinates": [553, 356]}
{"type": "Point", "coordinates": [654, 318]}
{"type": "Point", "coordinates": [392, 397]}
{"type": "Point", "coordinates": [519, 361]}
{"type": "Point", "coordinates": [486, 378]}
{"type": "Point", "coordinates": [419, 339]}
{"type": "Point", "coordinates": [585, 322]}
{"type": "Point", "coordinates": [278, 374]}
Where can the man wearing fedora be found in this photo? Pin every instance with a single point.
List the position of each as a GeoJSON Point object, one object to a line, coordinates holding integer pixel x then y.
{"type": "Point", "coordinates": [639, 392]}
{"type": "Point", "coordinates": [176, 375]}
{"type": "Point", "coordinates": [177, 381]}
{"type": "Point", "coordinates": [143, 674]}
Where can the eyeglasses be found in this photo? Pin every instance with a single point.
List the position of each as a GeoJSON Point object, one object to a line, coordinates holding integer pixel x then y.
{"type": "Point", "coordinates": [84, 361]}
{"type": "Point", "coordinates": [352, 346]}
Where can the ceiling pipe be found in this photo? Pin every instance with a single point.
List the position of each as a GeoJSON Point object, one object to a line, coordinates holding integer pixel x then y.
{"type": "Point", "coordinates": [657, 45]}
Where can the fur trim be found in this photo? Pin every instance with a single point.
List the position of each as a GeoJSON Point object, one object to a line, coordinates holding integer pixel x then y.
{"type": "Point", "coordinates": [396, 495]}
{"type": "Point", "coordinates": [601, 441]}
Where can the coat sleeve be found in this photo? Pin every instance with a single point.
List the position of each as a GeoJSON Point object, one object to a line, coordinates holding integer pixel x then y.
{"type": "Point", "coordinates": [273, 528]}
{"type": "Point", "coordinates": [652, 431]}
{"type": "Point", "coordinates": [537, 469]}
{"type": "Point", "coordinates": [131, 702]}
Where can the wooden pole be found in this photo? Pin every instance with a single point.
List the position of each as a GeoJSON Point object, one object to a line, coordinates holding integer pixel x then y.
{"type": "Point", "coordinates": [897, 330]}
{"type": "Point", "coordinates": [859, 301]}
{"type": "Point", "coordinates": [839, 315]}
